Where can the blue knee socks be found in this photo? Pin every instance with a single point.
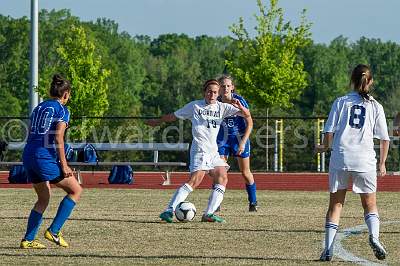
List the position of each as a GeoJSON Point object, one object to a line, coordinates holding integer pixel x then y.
{"type": "Point", "coordinates": [63, 212]}
{"type": "Point", "coordinates": [251, 192]}
{"type": "Point", "coordinates": [34, 221]}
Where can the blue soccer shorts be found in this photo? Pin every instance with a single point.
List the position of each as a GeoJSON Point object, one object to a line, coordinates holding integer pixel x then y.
{"type": "Point", "coordinates": [42, 169]}
{"type": "Point", "coordinates": [230, 147]}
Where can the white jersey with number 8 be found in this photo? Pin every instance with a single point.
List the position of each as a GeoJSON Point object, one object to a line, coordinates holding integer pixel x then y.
{"type": "Point", "coordinates": [355, 122]}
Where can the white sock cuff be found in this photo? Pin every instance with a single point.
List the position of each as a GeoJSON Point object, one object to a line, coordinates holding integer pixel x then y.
{"type": "Point", "coordinates": [371, 215]}
{"type": "Point", "coordinates": [220, 188]}
{"type": "Point", "coordinates": [330, 225]}
{"type": "Point", "coordinates": [188, 187]}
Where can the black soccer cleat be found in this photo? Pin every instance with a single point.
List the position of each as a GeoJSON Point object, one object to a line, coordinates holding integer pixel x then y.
{"type": "Point", "coordinates": [253, 207]}
{"type": "Point", "coordinates": [378, 248]}
{"type": "Point", "coordinates": [325, 256]}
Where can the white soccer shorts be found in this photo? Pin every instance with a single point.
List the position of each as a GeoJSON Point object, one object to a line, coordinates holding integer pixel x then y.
{"type": "Point", "coordinates": [201, 161]}
{"type": "Point", "coordinates": [363, 182]}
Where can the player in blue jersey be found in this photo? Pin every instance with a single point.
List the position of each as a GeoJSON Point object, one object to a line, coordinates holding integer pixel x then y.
{"type": "Point", "coordinates": [233, 139]}
{"type": "Point", "coordinates": [45, 163]}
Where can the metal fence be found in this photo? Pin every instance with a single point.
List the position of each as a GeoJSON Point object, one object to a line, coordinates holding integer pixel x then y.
{"type": "Point", "coordinates": [278, 144]}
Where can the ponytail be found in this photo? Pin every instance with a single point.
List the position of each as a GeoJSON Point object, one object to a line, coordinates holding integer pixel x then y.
{"type": "Point", "coordinates": [58, 86]}
{"type": "Point", "coordinates": [360, 78]}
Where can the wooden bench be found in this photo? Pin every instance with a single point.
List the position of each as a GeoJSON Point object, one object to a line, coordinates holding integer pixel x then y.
{"type": "Point", "coordinates": [154, 147]}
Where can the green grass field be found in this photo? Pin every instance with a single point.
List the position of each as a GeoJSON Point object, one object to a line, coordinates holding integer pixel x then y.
{"type": "Point", "coordinates": [122, 227]}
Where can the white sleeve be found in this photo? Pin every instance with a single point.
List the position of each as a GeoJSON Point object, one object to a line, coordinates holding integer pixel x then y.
{"type": "Point", "coordinates": [380, 127]}
{"type": "Point", "coordinates": [185, 112]}
{"type": "Point", "coordinates": [331, 123]}
{"type": "Point", "coordinates": [229, 110]}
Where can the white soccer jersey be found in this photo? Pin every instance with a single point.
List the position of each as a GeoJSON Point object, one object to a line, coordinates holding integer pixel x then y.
{"type": "Point", "coordinates": [355, 122]}
{"type": "Point", "coordinates": [206, 120]}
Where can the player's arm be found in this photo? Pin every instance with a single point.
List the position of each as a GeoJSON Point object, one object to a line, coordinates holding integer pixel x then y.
{"type": "Point", "coordinates": [165, 118]}
{"type": "Point", "coordinates": [326, 143]}
{"type": "Point", "coordinates": [59, 140]}
{"type": "Point", "coordinates": [384, 148]}
{"type": "Point", "coordinates": [246, 135]}
{"type": "Point", "coordinates": [243, 111]}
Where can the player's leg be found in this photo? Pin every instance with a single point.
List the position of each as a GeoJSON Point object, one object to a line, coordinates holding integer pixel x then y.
{"type": "Point", "coordinates": [35, 219]}
{"type": "Point", "coordinates": [373, 223]}
{"type": "Point", "coordinates": [181, 194]}
{"type": "Point", "coordinates": [338, 184]}
{"type": "Point", "coordinates": [336, 201]}
{"type": "Point", "coordinates": [365, 185]}
{"type": "Point", "coordinates": [199, 165]}
{"type": "Point", "coordinates": [220, 180]}
{"type": "Point", "coordinates": [244, 166]}
{"type": "Point", "coordinates": [224, 151]}
{"type": "Point", "coordinates": [225, 159]}
{"type": "Point", "coordinates": [368, 201]}
{"type": "Point", "coordinates": [74, 191]}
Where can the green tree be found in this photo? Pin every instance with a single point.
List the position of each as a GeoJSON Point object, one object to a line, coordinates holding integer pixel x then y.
{"type": "Point", "coordinates": [83, 67]}
{"type": "Point", "coordinates": [384, 59]}
{"type": "Point", "coordinates": [173, 74]}
{"type": "Point", "coordinates": [267, 68]}
{"type": "Point", "coordinates": [210, 53]}
{"type": "Point", "coordinates": [14, 65]}
{"type": "Point", "coordinates": [124, 56]}
{"type": "Point", "coordinates": [9, 105]}
{"type": "Point", "coordinates": [328, 70]}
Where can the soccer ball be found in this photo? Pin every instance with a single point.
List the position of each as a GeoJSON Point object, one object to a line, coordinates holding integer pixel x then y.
{"type": "Point", "coordinates": [185, 211]}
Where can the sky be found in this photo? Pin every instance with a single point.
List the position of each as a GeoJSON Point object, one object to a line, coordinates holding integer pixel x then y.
{"type": "Point", "coordinates": [330, 18]}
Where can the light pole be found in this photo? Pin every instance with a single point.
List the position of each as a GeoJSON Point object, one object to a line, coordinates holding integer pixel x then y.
{"type": "Point", "coordinates": [33, 82]}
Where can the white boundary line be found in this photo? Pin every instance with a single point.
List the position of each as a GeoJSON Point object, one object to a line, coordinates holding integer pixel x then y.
{"type": "Point", "coordinates": [346, 255]}
{"type": "Point", "coordinates": [342, 253]}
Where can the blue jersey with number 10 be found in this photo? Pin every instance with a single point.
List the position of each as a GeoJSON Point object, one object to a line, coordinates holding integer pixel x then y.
{"type": "Point", "coordinates": [43, 123]}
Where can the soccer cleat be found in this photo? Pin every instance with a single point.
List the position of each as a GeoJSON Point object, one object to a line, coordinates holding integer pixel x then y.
{"type": "Point", "coordinates": [253, 207]}
{"type": "Point", "coordinates": [167, 216]}
{"type": "Point", "coordinates": [325, 256]}
{"type": "Point", "coordinates": [377, 247]}
{"type": "Point", "coordinates": [56, 238]}
{"type": "Point", "coordinates": [34, 244]}
{"type": "Point", "coordinates": [212, 218]}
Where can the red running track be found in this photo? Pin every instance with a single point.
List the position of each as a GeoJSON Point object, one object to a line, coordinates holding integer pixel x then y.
{"type": "Point", "coordinates": [265, 181]}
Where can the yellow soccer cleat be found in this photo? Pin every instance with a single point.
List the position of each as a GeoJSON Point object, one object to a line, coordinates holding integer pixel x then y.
{"type": "Point", "coordinates": [57, 239]}
{"type": "Point", "coordinates": [34, 244]}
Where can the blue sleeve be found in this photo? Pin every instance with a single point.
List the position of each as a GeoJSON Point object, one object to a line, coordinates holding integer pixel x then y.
{"type": "Point", "coordinates": [64, 115]}
{"type": "Point", "coordinates": [242, 101]}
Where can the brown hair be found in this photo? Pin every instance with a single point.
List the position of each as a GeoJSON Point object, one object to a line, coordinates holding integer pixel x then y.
{"type": "Point", "coordinates": [58, 86]}
{"type": "Point", "coordinates": [360, 77]}
{"type": "Point", "coordinates": [210, 82]}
